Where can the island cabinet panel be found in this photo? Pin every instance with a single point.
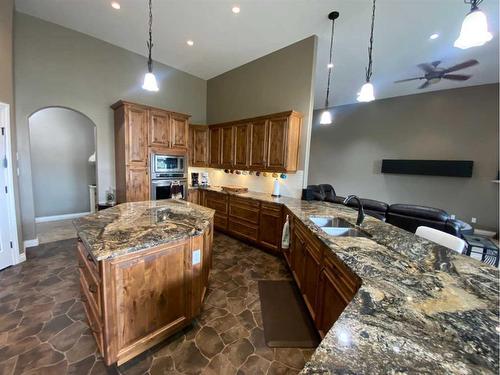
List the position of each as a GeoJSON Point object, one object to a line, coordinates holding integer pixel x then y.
{"type": "Point", "coordinates": [198, 146]}
{"type": "Point", "coordinates": [270, 226]}
{"type": "Point", "coordinates": [215, 147]}
{"type": "Point", "coordinates": [258, 144]}
{"type": "Point", "coordinates": [326, 284]}
{"type": "Point", "coordinates": [159, 128]}
{"type": "Point", "coordinates": [241, 138]}
{"type": "Point", "coordinates": [227, 146]}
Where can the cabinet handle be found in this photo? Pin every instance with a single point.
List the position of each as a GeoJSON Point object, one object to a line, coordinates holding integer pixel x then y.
{"type": "Point", "coordinates": [93, 288]}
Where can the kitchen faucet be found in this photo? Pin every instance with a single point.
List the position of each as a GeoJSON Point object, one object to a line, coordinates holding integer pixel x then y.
{"type": "Point", "coordinates": [361, 212]}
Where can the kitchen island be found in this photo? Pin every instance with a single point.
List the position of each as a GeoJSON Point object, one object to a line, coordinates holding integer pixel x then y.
{"type": "Point", "coordinates": [417, 308]}
{"type": "Point", "coordinates": [144, 270]}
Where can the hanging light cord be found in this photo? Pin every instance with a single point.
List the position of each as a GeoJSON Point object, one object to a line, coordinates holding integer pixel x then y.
{"type": "Point", "coordinates": [473, 4]}
{"type": "Point", "coordinates": [150, 41]}
{"type": "Point", "coordinates": [370, 48]}
{"type": "Point", "coordinates": [330, 65]}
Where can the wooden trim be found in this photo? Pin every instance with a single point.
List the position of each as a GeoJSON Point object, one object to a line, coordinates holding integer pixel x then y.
{"type": "Point", "coordinates": [121, 103]}
{"type": "Point", "coordinates": [258, 118]}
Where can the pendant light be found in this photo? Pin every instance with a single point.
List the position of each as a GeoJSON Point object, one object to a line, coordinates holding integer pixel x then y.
{"type": "Point", "coordinates": [150, 83]}
{"type": "Point", "coordinates": [474, 30]}
{"type": "Point", "coordinates": [326, 116]}
{"type": "Point", "coordinates": [366, 94]}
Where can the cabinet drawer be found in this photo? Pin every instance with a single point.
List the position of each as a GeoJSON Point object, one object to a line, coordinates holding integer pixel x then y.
{"type": "Point", "coordinates": [220, 207]}
{"type": "Point", "coordinates": [346, 282]}
{"type": "Point", "coordinates": [215, 196]}
{"type": "Point", "coordinates": [244, 229]}
{"type": "Point", "coordinates": [87, 259]}
{"type": "Point", "coordinates": [89, 281]}
{"type": "Point", "coordinates": [94, 322]}
{"type": "Point", "coordinates": [271, 209]}
{"type": "Point", "coordinates": [220, 221]}
{"type": "Point", "coordinates": [244, 211]}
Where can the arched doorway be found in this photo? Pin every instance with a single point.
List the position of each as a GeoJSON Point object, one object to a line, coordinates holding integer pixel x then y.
{"type": "Point", "coordinates": [63, 167]}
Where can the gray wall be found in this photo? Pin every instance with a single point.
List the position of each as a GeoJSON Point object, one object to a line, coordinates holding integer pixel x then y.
{"type": "Point", "coordinates": [60, 169]}
{"type": "Point", "coordinates": [7, 86]}
{"type": "Point", "coordinates": [460, 124]}
{"type": "Point", "coordinates": [56, 66]}
{"type": "Point", "coordinates": [277, 82]}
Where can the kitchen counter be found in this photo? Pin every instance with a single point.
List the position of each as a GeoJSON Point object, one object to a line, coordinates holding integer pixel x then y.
{"type": "Point", "coordinates": [421, 308]}
{"type": "Point", "coordinates": [130, 227]}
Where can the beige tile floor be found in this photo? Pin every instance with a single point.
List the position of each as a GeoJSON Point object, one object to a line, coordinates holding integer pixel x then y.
{"type": "Point", "coordinates": [55, 231]}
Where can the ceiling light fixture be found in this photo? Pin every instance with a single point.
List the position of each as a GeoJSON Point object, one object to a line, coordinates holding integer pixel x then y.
{"type": "Point", "coordinates": [366, 94]}
{"type": "Point", "coordinates": [150, 83]}
{"type": "Point", "coordinates": [474, 32]}
{"type": "Point", "coordinates": [434, 36]}
{"type": "Point", "coordinates": [326, 116]}
{"type": "Point", "coordinates": [190, 43]}
{"type": "Point", "coordinates": [115, 5]}
{"type": "Point", "coordinates": [236, 9]}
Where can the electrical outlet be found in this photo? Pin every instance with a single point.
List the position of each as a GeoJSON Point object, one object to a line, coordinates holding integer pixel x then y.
{"type": "Point", "coordinates": [453, 216]}
{"type": "Point", "coordinates": [473, 220]}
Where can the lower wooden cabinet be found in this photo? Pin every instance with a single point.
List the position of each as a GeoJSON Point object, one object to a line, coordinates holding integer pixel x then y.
{"type": "Point", "coordinates": [193, 196]}
{"type": "Point", "coordinates": [270, 225]}
{"type": "Point", "coordinates": [219, 203]}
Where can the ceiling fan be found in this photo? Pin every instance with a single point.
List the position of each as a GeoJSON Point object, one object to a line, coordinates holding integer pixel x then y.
{"type": "Point", "coordinates": [434, 74]}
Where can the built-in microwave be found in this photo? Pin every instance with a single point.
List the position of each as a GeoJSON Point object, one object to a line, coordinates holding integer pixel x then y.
{"type": "Point", "coordinates": [161, 164]}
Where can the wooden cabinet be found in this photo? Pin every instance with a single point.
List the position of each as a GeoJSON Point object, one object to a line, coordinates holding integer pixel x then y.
{"type": "Point", "coordinates": [244, 218]}
{"type": "Point", "coordinates": [227, 147]}
{"type": "Point", "coordinates": [214, 157]}
{"type": "Point", "coordinates": [263, 143]}
{"type": "Point", "coordinates": [270, 226]}
{"type": "Point", "coordinates": [198, 145]}
{"type": "Point", "coordinates": [193, 196]}
{"type": "Point", "coordinates": [241, 141]}
{"type": "Point", "coordinates": [135, 301]}
{"type": "Point", "coordinates": [140, 130]}
{"type": "Point", "coordinates": [311, 271]}
{"type": "Point", "coordinates": [219, 203]}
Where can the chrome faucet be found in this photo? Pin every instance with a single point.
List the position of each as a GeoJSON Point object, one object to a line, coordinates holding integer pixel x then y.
{"type": "Point", "coordinates": [361, 212]}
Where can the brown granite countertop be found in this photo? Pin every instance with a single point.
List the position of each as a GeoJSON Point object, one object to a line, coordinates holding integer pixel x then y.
{"type": "Point", "coordinates": [131, 227]}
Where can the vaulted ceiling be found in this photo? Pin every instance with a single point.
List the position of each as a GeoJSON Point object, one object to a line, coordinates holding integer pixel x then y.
{"type": "Point", "coordinates": [223, 40]}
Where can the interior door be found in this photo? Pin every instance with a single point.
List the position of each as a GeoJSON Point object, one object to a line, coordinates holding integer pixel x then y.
{"type": "Point", "coordinates": [5, 248]}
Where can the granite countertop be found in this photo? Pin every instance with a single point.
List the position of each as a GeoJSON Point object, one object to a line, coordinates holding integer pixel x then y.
{"type": "Point", "coordinates": [421, 308]}
{"type": "Point", "coordinates": [131, 227]}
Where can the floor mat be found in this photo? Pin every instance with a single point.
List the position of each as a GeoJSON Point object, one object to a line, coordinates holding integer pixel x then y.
{"type": "Point", "coordinates": [287, 323]}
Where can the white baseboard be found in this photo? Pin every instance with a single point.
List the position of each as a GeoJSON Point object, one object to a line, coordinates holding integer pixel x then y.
{"type": "Point", "coordinates": [30, 243]}
{"type": "Point", "coordinates": [21, 257]}
{"type": "Point", "coordinates": [44, 219]}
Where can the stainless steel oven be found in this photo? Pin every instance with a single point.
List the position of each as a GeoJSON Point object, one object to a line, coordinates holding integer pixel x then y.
{"type": "Point", "coordinates": [168, 188]}
{"type": "Point", "coordinates": [163, 165]}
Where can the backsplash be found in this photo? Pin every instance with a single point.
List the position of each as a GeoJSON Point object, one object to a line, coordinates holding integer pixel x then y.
{"type": "Point", "coordinates": [289, 187]}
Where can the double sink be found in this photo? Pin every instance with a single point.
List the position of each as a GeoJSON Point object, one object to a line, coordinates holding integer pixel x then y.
{"type": "Point", "coordinates": [337, 227]}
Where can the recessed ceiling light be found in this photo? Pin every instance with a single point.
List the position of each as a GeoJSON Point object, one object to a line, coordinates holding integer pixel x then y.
{"type": "Point", "coordinates": [434, 36]}
{"type": "Point", "coordinates": [236, 9]}
{"type": "Point", "coordinates": [115, 5]}
{"type": "Point", "coordinates": [190, 43]}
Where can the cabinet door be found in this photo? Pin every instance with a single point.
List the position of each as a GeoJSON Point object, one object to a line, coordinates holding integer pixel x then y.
{"type": "Point", "coordinates": [227, 144]}
{"type": "Point", "coordinates": [200, 146]}
{"type": "Point", "coordinates": [297, 257]}
{"type": "Point", "coordinates": [159, 128]}
{"type": "Point", "coordinates": [277, 143]}
{"type": "Point", "coordinates": [312, 268]}
{"type": "Point", "coordinates": [270, 226]}
{"type": "Point", "coordinates": [193, 196]}
{"type": "Point", "coordinates": [214, 140]}
{"type": "Point", "coordinates": [258, 144]}
{"type": "Point", "coordinates": [137, 184]}
{"type": "Point", "coordinates": [178, 131]}
{"type": "Point", "coordinates": [136, 140]}
{"type": "Point", "coordinates": [331, 302]}
{"type": "Point", "coordinates": [241, 146]}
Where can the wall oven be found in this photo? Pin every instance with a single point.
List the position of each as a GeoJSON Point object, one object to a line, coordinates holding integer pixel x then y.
{"type": "Point", "coordinates": [168, 177]}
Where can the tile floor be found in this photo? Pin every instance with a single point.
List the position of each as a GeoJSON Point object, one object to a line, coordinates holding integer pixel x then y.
{"type": "Point", "coordinates": [55, 231]}
{"type": "Point", "coordinates": [43, 328]}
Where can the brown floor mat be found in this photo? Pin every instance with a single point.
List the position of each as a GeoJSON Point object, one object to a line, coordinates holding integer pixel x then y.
{"type": "Point", "coordinates": [287, 323]}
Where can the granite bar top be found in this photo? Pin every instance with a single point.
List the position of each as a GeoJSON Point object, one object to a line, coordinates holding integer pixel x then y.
{"type": "Point", "coordinates": [421, 308]}
{"type": "Point", "coordinates": [131, 227]}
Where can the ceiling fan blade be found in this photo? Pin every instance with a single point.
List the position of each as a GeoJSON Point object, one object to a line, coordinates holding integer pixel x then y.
{"type": "Point", "coordinates": [424, 85]}
{"type": "Point", "coordinates": [426, 67]}
{"type": "Point", "coordinates": [435, 63]}
{"type": "Point", "coordinates": [460, 66]}
{"type": "Point", "coordinates": [409, 79]}
{"type": "Point", "coordinates": [457, 77]}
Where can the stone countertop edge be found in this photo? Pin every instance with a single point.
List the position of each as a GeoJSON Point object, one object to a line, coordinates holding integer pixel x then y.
{"type": "Point", "coordinates": [131, 227]}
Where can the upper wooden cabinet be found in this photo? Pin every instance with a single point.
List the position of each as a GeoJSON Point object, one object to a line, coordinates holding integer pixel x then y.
{"type": "Point", "coordinates": [198, 145]}
{"type": "Point", "coordinates": [266, 143]}
{"type": "Point", "coordinates": [139, 130]}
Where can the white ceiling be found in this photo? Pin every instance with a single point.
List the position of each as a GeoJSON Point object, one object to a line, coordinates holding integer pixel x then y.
{"type": "Point", "coordinates": [224, 40]}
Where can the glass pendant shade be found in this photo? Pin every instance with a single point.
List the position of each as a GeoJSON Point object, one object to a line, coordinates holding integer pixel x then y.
{"type": "Point", "coordinates": [326, 118]}
{"type": "Point", "coordinates": [366, 93]}
{"type": "Point", "coordinates": [474, 31]}
{"type": "Point", "coordinates": [150, 83]}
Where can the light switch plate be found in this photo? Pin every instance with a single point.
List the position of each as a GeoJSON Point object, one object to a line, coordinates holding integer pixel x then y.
{"type": "Point", "coordinates": [196, 257]}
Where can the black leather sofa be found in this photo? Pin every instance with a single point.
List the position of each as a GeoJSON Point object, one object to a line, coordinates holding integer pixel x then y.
{"type": "Point", "coordinates": [405, 216]}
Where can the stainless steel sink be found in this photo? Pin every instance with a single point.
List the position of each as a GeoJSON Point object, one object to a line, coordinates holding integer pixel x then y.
{"type": "Point", "coordinates": [337, 227]}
